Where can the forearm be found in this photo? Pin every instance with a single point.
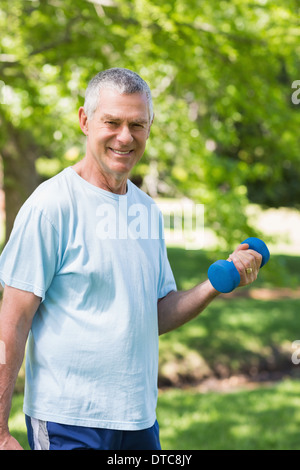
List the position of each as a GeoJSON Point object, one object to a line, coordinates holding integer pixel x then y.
{"type": "Point", "coordinates": [17, 311]}
{"type": "Point", "coordinates": [180, 307]}
{"type": "Point", "coordinates": [13, 342]}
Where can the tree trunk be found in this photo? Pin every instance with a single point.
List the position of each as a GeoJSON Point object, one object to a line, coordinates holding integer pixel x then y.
{"type": "Point", "coordinates": [20, 177]}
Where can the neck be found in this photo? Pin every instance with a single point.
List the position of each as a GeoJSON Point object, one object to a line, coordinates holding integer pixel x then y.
{"type": "Point", "coordinates": [93, 173]}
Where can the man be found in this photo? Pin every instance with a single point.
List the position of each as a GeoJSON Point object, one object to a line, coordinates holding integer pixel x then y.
{"type": "Point", "coordinates": [91, 290]}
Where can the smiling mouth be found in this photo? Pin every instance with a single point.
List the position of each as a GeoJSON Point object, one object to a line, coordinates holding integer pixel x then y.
{"type": "Point", "coordinates": [121, 152]}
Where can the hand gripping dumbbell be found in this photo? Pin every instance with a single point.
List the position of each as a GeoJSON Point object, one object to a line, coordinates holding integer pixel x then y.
{"type": "Point", "coordinates": [223, 274]}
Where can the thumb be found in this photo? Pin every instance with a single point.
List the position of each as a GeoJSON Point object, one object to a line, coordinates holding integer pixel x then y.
{"type": "Point", "coordinates": [242, 246]}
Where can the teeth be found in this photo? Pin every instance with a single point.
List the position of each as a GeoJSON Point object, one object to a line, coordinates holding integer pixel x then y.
{"type": "Point", "coordinates": [121, 153]}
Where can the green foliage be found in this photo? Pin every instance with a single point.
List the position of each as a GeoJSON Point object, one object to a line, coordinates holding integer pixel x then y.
{"type": "Point", "coordinates": [221, 74]}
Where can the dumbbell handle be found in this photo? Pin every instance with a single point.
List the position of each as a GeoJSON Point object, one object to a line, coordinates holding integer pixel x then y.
{"type": "Point", "coordinates": [223, 274]}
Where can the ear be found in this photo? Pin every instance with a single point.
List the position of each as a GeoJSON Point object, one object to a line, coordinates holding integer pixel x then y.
{"type": "Point", "coordinates": [83, 121]}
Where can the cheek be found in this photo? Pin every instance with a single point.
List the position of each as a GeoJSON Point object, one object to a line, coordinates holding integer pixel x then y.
{"type": "Point", "coordinates": [100, 138]}
{"type": "Point", "coordinates": [141, 139]}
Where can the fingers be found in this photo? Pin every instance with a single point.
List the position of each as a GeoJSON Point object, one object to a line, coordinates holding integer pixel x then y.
{"type": "Point", "coordinates": [246, 266]}
{"type": "Point", "coordinates": [243, 249]}
{"type": "Point", "coordinates": [257, 257]}
{"type": "Point", "coordinates": [247, 262]}
{"type": "Point", "coordinates": [243, 261]}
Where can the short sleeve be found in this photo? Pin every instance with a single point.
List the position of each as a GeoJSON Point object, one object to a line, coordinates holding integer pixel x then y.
{"type": "Point", "coordinates": [29, 259]}
{"type": "Point", "coordinates": [166, 278]}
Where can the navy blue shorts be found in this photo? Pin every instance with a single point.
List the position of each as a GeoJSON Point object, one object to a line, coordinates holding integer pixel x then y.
{"type": "Point", "coordinates": [45, 435]}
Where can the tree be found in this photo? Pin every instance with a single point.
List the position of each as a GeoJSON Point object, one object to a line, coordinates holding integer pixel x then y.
{"type": "Point", "coordinates": [221, 75]}
{"type": "Point", "coordinates": [228, 69]}
{"type": "Point", "coordinates": [42, 63]}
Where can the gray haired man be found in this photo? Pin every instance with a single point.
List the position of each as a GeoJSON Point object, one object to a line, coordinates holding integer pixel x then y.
{"type": "Point", "coordinates": [89, 293]}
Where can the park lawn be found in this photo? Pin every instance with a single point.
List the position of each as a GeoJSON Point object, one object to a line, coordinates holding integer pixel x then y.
{"type": "Point", "coordinates": [265, 418]}
{"type": "Point", "coordinates": [233, 336]}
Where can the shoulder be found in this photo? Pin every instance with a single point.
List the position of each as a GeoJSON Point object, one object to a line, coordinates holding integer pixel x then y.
{"type": "Point", "coordinates": [49, 198]}
{"type": "Point", "coordinates": [53, 187]}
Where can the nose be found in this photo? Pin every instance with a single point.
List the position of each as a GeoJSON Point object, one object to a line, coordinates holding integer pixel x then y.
{"type": "Point", "coordinates": [124, 135]}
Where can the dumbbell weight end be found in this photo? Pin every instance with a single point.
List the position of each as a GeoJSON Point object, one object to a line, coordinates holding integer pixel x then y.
{"type": "Point", "coordinates": [223, 274]}
{"type": "Point", "coordinates": [258, 245]}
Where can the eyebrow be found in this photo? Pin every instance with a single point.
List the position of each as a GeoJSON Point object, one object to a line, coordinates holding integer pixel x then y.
{"type": "Point", "coordinates": [110, 117]}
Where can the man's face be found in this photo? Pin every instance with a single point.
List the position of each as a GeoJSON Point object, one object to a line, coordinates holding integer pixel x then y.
{"type": "Point", "coordinates": [118, 131]}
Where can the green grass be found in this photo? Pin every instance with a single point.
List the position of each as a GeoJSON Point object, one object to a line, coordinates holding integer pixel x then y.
{"type": "Point", "coordinates": [264, 418]}
{"type": "Point", "coordinates": [231, 336]}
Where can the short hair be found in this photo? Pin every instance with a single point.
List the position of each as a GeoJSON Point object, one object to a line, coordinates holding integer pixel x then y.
{"type": "Point", "coordinates": [123, 80]}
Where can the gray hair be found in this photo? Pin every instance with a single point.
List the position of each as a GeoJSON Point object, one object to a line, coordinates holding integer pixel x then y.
{"type": "Point", "coordinates": [123, 80]}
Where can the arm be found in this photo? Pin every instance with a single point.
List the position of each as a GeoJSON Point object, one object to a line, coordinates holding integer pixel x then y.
{"type": "Point", "coordinates": [17, 311]}
{"type": "Point", "coordinates": [178, 308]}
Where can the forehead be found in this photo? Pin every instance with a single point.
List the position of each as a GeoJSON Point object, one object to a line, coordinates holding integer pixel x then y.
{"type": "Point", "coordinates": [121, 105]}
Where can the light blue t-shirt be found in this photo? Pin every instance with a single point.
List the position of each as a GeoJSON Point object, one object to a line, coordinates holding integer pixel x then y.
{"type": "Point", "coordinates": [99, 263]}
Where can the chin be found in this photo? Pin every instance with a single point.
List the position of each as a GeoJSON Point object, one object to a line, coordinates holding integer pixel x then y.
{"type": "Point", "coordinates": [120, 170]}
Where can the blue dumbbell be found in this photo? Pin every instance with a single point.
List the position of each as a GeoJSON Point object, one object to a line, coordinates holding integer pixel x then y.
{"type": "Point", "coordinates": [223, 274]}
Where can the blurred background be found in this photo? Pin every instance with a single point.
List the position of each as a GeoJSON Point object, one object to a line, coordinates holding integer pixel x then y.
{"type": "Point", "coordinates": [225, 78]}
